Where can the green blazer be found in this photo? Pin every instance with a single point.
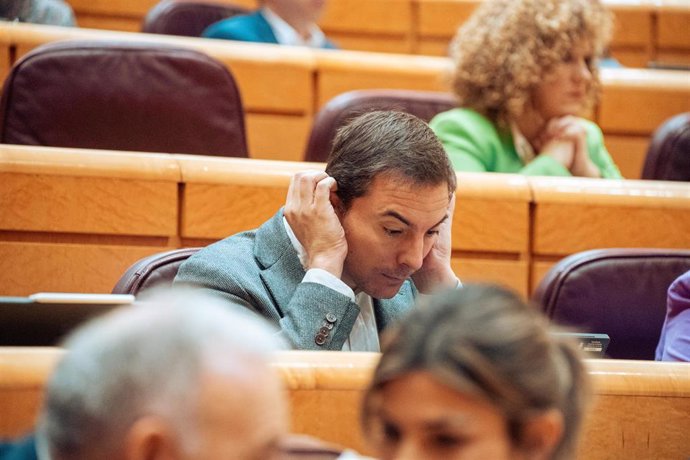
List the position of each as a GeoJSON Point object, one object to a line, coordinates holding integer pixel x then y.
{"type": "Point", "coordinates": [260, 270]}
{"type": "Point", "coordinates": [474, 144]}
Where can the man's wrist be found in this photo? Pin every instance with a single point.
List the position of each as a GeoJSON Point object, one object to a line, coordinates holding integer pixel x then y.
{"type": "Point", "coordinates": [331, 264]}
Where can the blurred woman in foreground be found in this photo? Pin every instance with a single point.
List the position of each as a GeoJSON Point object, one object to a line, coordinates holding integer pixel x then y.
{"type": "Point", "coordinates": [475, 373]}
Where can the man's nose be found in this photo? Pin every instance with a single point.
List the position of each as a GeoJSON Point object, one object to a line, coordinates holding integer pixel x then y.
{"type": "Point", "coordinates": [412, 254]}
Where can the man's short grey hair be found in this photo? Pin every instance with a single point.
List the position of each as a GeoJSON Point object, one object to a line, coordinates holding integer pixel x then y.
{"type": "Point", "coordinates": [146, 359]}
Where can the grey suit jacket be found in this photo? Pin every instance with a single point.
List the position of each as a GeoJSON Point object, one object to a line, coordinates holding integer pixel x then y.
{"type": "Point", "coordinates": [260, 270]}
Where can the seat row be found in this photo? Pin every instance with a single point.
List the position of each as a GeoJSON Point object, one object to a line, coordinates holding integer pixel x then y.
{"type": "Point", "coordinates": [646, 31]}
{"type": "Point", "coordinates": [325, 391]}
{"type": "Point", "coordinates": [87, 215]}
{"type": "Point", "coordinates": [283, 88]}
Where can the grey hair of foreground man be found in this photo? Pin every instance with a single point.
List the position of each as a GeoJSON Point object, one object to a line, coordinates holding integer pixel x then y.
{"type": "Point", "coordinates": [152, 362]}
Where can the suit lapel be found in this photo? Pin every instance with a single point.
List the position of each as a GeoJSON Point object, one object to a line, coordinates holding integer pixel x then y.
{"type": "Point", "coordinates": [282, 270]}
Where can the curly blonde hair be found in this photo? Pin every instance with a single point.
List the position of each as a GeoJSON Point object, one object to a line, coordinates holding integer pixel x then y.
{"type": "Point", "coordinates": [507, 47]}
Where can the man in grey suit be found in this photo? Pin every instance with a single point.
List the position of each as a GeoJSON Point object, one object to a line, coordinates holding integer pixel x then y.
{"type": "Point", "coordinates": [353, 245]}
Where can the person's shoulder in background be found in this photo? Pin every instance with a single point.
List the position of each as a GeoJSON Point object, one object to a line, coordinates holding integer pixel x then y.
{"type": "Point", "coordinates": [47, 12]}
{"type": "Point", "coordinates": [674, 344]}
{"type": "Point", "coordinates": [245, 27]}
{"type": "Point", "coordinates": [23, 449]}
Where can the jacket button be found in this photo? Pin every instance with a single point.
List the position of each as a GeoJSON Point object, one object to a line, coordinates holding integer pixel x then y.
{"type": "Point", "coordinates": [320, 339]}
{"type": "Point", "coordinates": [330, 317]}
{"type": "Point", "coordinates": [324, 331]}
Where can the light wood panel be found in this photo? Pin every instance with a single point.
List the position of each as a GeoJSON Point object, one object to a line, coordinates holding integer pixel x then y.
{"type": "Point", "coordinates": [673, 32]}
{"type": "Point", "coordinates": [513, 274]}
{"type": "Point", "coordinates": [350, 70]}
{"type": "Point", "coordinates": [277, 137]}
{"type": "Point", "coordinates": [629, 153]}
{"type": "Point", "coordinates": [29, 267]}
{"type": "Point", "coordinates": [225, 197]}
{"type": "Point", "coordinates": [637, 101]}
{"type": "Point", "coordinates": [73, 220]}
{"type": "Point", "coordinates": [578, 214]}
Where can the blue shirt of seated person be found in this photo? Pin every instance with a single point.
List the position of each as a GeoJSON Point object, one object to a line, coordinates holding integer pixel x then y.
{"type": "Point", "coordinates": [285, 22]}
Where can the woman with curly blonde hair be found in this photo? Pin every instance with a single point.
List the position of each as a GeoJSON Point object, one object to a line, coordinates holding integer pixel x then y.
{"type": "Point", "coordinates": [525, 70]}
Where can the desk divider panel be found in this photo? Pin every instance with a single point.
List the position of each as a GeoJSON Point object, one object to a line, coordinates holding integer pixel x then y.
{"type": "Point", "coordinates": [73, 220]}
{"type": "Point", "coordinates": [645, 30]}
{"type": "Point", "coordinates": [381, 25]}
{"type": "Point", "coordinates": [344, 71]}
{"type": "Point", "coordinates": [283, 87]}
{"type": "Point", "coordinates": [639, 410]}
{"type": "Point", "coordinates": [574, 215]}
{"type": "Point", "coordinates": [224, 196]}
{"type": "Point", "coordinates": [637, 101]}
{"type": "Point", "coordinates": [491, 229]}
{"type": "Point", "coordinates": [673, 38]}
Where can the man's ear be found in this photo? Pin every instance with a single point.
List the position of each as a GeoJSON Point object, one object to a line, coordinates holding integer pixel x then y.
{"type": "Point", "coordinates": [151, 438]}
{"type": "Point", "coordinates": [337, 204]}
{"type": "Point", "coordinates": [541, 434]}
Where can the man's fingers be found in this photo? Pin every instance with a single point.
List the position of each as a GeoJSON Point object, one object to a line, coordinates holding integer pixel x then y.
{"type": "Point", "coordinates": [322, 193]}
{"type": "Point", "coordinates": [301, 190]}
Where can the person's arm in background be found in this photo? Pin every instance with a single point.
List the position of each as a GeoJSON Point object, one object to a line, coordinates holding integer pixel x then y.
{"type": "Point", "coordinates": [473, 144]}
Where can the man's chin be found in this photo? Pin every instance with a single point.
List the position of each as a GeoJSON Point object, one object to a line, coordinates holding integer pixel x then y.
{"type": "Point", "coordinates": [384, 292]}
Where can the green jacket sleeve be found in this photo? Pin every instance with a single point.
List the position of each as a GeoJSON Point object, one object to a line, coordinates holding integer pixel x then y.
{"type": "Point", "coordinates": [598, 153]}
{"type": "Point", "coordinates": [473, 144]}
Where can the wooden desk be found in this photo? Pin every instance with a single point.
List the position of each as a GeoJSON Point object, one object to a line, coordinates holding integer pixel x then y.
{"type": "Point", "coordinates": [73, 221]}
{"type": "Point", "coordinates": [574, 215]}
{"type": "Point", "coordinates": [639, 412]}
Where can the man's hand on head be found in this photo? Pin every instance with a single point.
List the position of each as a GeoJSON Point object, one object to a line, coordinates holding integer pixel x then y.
{"type": "Point", "coordinates": [312, 217]}
{"type": "Point", "coordinates": [436, 272]}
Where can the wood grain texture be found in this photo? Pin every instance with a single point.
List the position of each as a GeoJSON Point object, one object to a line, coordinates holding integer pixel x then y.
{"type": "Point", "coordinates": [637, 427]}
{"type": "Point", "coordinates": [510, 273]}
{"type": "Point", "coordinates": [632, 27]}
{"type": "Point", "coordinates": [349, 70]}
{"type": "Point", "coordinates": [628, 152]}
{"type": "Point", "coordinates": [491, 225]}
{"type": "Point", "coordinates": [34, 202]}
{"type": "Point", "coordinates": [657, 95]}
{"type": "Point", "coordinates": [565, 229]}
{"type": "Point", "coordinates": [441, 18]}
{"type": "Point", "coordinates": [673, 26]}
{"type": "Point", "coordinates": [216, 211]}
{"type": "Point", "coordinates": [27, 268]}
{"type": "Point", "coordinates": [277, 137]}
{"type": "Point", "coordinates": [390, 17]}
{"type": "Point", "coordinates": [379, 43]}
{"type": "Point", "coordinates": [58, 161]}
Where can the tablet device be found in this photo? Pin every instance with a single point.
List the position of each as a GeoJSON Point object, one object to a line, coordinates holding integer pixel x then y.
{"type": "Point", "coordinates": [44, 319]}
{"type": "Point", "coordinates": [592, 345]}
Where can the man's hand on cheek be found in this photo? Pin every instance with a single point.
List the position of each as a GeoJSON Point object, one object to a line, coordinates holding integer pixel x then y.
{"type": "Point", "coordinates": [436, 272]}
{"type": "Point", "coordinates": [312, 217]}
